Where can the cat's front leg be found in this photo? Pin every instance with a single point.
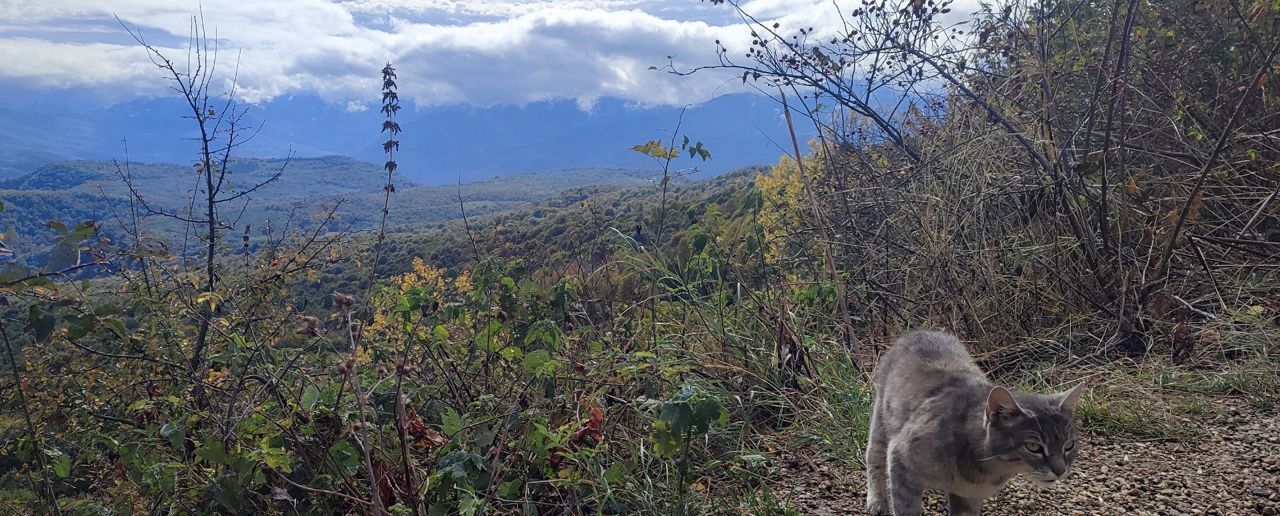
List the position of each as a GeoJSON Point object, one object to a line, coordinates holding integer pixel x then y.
{"type": "Point", "coordinates": [877, 469]}
{"type": "Point", "coordinates": [906, 495]}
{"type": "Point", "coordinates": [961, 506]}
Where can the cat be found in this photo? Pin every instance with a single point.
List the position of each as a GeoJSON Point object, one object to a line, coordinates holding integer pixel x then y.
{"type": "Point", "coordinates": [938, 423]}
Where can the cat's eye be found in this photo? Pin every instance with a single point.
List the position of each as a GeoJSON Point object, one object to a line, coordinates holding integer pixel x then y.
{"type": "Point", "coordinates": [1034, 447]}
{"type": "Point", "coordinates": [1070, 446]}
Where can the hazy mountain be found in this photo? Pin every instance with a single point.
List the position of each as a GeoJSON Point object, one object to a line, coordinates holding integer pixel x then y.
{"type": "Point", "coordinates": [440, 145]}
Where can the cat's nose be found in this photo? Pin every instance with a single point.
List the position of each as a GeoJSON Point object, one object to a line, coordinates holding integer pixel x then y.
{"type": "Point", "coordinates": [1059, 470]}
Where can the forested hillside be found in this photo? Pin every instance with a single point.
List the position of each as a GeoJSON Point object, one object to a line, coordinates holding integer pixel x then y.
{"type": "Point", "coordinates": [1082, 191]}
{"type": "Point", "coordinates": [571, 234]}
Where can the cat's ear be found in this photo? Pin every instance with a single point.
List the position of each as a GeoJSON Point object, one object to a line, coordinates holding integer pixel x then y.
{"type": "Point", "coordinates": [1067, 402]}
{"type": "Point", "coordinates": [1000, 404]}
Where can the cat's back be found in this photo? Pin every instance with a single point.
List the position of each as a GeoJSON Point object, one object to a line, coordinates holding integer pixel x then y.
{"type": "Point", "coordinates": [923, 362]}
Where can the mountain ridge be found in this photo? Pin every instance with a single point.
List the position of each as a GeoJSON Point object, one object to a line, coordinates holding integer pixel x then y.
{"type": "Point", "coordinates": [440, 144]}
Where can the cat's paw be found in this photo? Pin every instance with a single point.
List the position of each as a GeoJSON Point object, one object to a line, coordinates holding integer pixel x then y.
{"type": "Point", "coordinates": [878, 507]}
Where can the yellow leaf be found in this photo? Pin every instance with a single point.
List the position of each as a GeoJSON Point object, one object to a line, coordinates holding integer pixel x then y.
{"type": "Point", "coordinates": [209, 297]}
{"type": "Point", "coordinates": [217, 377]}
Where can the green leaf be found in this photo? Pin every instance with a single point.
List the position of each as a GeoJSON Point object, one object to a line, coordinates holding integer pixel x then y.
{"type": "Point", "coordinates": [483, 436]}
{"type": "Point", "coordinates": [82, 231]}
{"type": "Point", "coordinates": [61, 462]}
{"type": "Point", "coordinates": [62, 466]}
{"type": "Point", "coordinates": [277, 458]}
{"type": "Point", "coordinates": [117, 327]}
{"type": "Point", "coordinates": [487, 339]}
{"type": "Point", "coordinates": [450, 422]}
{"type": "Point", "coordinates": [690, 412]}
{"type": "Point", "coordinates": [79, 326]}
{"type": "Point", "coordinates": [346, 456]}
{"type": "Point", "coordinates": [617, 472]}
{"type": "Point", "coordinates": [678, 417]}
{"type": "Point", "coordinates": [63, 256]}
{"type": "Point", "coordinates": [511, 489]}
{"type": "Point", "coordinates": [166, 475]}
{"type": "Point", "coordinates": [543, 332]}
{"type": "Point", "coordinates": [229, 493]}
{"type": "Point", "coordinates": [174, 434]}
{"type": "Point", "coordinates": [107, 310]}
{"type": "Point", "coordinates": [655, 149]}
{"type": "Point", "coordinates": [310, 395]}
{"type": "Point", "coordinates": [707, 411]}
{"type": "Point", "coordinates": [41, 324]}
{"type": "Point", "coordinates": [534, 361]}
{"type": "Point", "coordinates": [212, 451]}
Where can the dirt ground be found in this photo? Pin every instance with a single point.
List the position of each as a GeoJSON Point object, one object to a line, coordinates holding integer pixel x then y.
{"type": "Point", "coordinates": [1232, 469]}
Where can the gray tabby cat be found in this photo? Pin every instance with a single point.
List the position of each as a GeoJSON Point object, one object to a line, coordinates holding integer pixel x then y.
{"type": "Point", "coordinates": [938, 423]}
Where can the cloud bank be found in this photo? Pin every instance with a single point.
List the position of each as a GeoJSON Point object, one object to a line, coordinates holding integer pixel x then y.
{"type": "Point", "coordinates": [479, 52]}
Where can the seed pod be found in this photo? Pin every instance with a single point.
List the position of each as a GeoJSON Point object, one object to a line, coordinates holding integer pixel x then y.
{"type": "Point", "coordinates": [310, 326]}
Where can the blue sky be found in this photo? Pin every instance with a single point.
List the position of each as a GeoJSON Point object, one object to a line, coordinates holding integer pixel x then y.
{"type": "Point", "coordinates": [477, 52]}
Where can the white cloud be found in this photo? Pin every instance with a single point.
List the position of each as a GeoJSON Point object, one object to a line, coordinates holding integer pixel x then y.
{"type": "Point", "coordinates": [447, 51]}
{"type": "Point", "coordinates": [66, 65]}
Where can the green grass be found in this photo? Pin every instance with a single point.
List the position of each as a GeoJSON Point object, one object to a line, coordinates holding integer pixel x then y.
{"type": "Point", "coordinates": [840, 419]}
{"type": "Point", "coordinates": [1151, 400]}
{"type": "Point", "coordinates": [1133, 418]}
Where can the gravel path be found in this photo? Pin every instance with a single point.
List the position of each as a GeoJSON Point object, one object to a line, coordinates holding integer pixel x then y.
{"type": "Point", "coordinates": [1233, 469]}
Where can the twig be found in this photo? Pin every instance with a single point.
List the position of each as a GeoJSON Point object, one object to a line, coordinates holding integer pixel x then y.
{"type": "Point", "coordinates": [466, 223]}
{"type": "Point", "coordinates": [1192, 307]}
{"type": "Point", "coordinates": [319, 491]}
{"type": "Point", "coordinates": [361, 406]}
{"type": "Point", "coordinates": [62, 272]}
{"type": "Point", "coordinates": [1163, 262]}
{"type": "Point", "coordinates": [828, 255]}
{"type": "Point", "coordinates": [1258, 213]}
